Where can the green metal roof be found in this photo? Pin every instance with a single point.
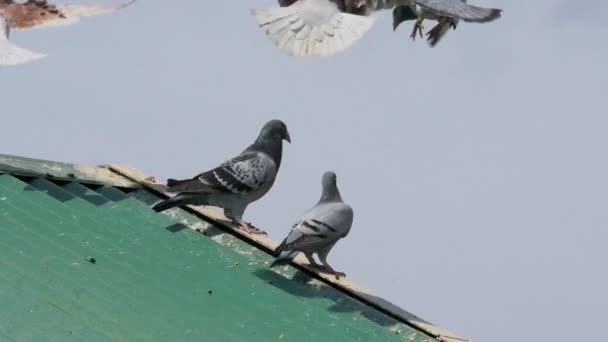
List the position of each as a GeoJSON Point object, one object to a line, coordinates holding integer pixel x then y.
{"type": "Point", "coordinates": [84, 258]}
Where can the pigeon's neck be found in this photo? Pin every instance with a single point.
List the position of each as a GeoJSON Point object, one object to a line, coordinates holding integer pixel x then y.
{"type": "Point", "coordinates": [272, 147]}
{"type": "Point", "coordinates": [330, 194]}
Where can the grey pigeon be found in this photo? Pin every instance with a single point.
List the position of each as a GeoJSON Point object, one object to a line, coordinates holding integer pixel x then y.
{"type": "Point", "coordinates": [318, 231]}
{"type": "Point", "coordinates": [447, 13]}
{"type": "Point", "coordinates": [236, 183]}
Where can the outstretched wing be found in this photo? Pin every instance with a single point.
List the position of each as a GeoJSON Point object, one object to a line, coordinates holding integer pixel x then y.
{"type": "Point", "coordinates": [39, 13]}
{"type": "Point", "coordinates": [244, 174]}
{"type": "Point", "coordinates": [461, 10]}
{"type": "Point", "coordinates": [11, 54]}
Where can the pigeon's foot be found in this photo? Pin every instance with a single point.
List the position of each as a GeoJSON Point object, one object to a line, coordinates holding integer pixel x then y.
{"type": "Point", "coordinates": [249, 228]}
{"type": "Point", "coordinates": [417, 29]}
{"type": "Point", "coordinates": [329, 270]}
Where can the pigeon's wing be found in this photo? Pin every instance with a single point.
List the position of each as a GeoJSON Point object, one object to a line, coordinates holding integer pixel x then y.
{"type": "Point", "coordinates": [312, 27]}
{"type": "Point", "coordinates": [322, 225]}
{"type": "Point", "coordinates": [244, 174]}
{"type": "Point", "coordinates": [300, 241]}
{"type": "Point", "coordinates": [39, 13]}
{"type": "Point", "coordinates": [11, 54]}
{"type": "Point", "coordinates": [460, 10]}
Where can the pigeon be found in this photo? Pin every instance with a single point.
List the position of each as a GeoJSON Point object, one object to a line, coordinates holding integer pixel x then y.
{"type": "Point", "coordinates": [38, 14]}
{"type": "Point", "coordinates": [318, 231]}
{"type": "Point", "coordinates": [314, 27]}
{"type": "Point", "coordinates": [326, 27]}
{"type": "Point", "coordinates": [237, 182]}
{"type": "Point", "coordinates": [447, 13]}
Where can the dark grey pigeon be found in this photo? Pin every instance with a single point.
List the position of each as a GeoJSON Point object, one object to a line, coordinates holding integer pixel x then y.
{"type": "Point", "coordinates": [447, 13]}
{"type": "Point", "coordinates": [319, 229]}
{"type": "Point", "coordinates": [236, 183]}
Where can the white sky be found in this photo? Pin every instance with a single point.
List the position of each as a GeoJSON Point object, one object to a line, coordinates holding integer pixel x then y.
{"type": "Point", "coordinates": [477, 169]}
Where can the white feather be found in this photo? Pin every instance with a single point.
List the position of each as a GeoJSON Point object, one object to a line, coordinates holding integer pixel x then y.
{"type": "Point", "coordinates": [312, 27]}
{"type": "Point", "coordinates": [11, 54]}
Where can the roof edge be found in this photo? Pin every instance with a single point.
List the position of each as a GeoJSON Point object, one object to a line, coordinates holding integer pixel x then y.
{"type": "Point", "coordinates": [216, 217]}
{"type": "Point", "coordinates": [29, 167]}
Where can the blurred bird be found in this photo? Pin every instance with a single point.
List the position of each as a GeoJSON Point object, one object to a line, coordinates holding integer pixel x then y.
{"type": "Point", "coordinates": [38, 14]}
{"type": "Point", "coordinates": [326, 27]}
{"type": "Point", "coordinates": [447, 13]}
{"type": "Point", "coordinates": [237, 182]}
{"type": "Point", "coordinates": [318, 231]}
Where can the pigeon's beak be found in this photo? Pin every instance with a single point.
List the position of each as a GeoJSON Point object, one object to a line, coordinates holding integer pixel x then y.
{"type": "Point", "coordinates": [287, 137]}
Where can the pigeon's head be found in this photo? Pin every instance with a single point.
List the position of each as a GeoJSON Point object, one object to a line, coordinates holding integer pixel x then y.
{"type": "Point", "coordinates": [330, 187]}
{"type": "Point", "coordinates": [401, 14]}
{"type": "Point", "coordinates": [329, 179]}
{"type": "Point", "coordinates": [274, 129]}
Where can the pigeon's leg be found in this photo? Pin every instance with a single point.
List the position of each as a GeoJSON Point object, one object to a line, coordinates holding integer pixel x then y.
{"type": "Point", "coordinates": [328, 269]}
{"type": "Point", "coordinates": [235, 217]}
{"type": "Point", "coordinates": [417, 28]}
{"type": "Point", "coordinates": [311, 260]}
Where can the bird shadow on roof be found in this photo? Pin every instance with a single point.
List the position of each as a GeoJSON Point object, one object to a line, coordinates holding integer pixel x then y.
{"type": "Point", "coordinates": [176, 227]}
{"type": "Point", "coordinates": [303, 285]}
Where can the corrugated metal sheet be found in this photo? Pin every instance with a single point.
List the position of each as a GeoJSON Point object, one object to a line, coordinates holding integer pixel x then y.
{"type": "Point", "coordinates": [94, 263]}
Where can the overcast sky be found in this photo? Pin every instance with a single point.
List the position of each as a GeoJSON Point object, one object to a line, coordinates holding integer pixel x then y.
{"type": "Point", "coordinates": [477, 170]}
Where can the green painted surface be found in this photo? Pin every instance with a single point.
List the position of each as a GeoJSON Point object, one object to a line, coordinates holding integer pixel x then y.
{"type": "Point", "coordinates": [29, 167]}
{"type": "Point", "coordinates": [153, 279]}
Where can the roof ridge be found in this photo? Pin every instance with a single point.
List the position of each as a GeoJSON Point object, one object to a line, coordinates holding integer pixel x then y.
{"type": "Point", "coordinates": [269, 245]}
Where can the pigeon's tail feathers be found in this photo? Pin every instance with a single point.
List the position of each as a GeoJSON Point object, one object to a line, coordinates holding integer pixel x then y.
{"type": "Point", "coordinates": [290, 30]}
{"type": "Point", "coordinates": [188, 185]}
{"type": "Point", "coordinates": [280, 247]}
{"type": "Point", "coordinates": [179, 200]}
{"type": "Point", "coordinates": [489, 14]}
{"type": "Point", "coordinates": [475, 14]}
{"type": "Point", "coordinates": [173, 182]}
{"type": "Point", "coordinates": [284, 258]}
{"type": "Point", "coordinates": [13, 55]}
{"type": "Point", "coordinates": [438, 32]}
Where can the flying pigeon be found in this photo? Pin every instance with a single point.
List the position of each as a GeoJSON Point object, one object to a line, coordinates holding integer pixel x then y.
{"type": "Point", "coordinates": [326, 27]}
{"type": "Point", "coordinates": [38, 14]}
{"type": "Point", "coordinates": [447, 13]}
{"type": "Point", "coordinates": [314, 27]}
{"type": "Point", "coordinates": [237, 182]}
{"type": "Point", "coordinates": [318, 231]}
